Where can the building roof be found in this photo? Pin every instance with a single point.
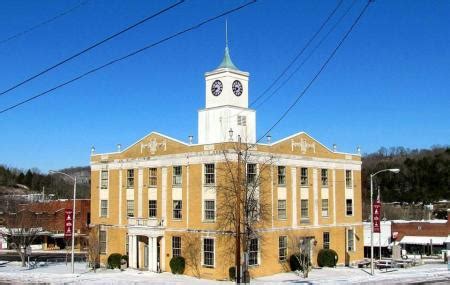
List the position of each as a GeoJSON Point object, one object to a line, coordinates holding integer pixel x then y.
{"type": "Point", "coordinates": [423, 240]}
{"type": "Point", "coordinates": [226, 61]}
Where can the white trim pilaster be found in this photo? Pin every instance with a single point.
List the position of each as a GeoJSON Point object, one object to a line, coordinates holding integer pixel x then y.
{"type": "Point", "coordinates": [294, 195]}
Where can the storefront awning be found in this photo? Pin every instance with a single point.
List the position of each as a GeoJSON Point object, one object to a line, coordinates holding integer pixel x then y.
{"type": "Point", "coordinates": [423, 240]}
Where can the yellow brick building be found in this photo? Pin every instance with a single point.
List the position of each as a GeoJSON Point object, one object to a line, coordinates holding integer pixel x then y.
{"type": "Point", "coordinates": [161, 197]}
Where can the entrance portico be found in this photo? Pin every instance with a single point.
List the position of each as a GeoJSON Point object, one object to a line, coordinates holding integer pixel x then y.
{"type": "Point", "coordinates": [146, 245]}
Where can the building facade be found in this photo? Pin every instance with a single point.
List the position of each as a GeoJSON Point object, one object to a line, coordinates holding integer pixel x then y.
{"type": "Point", "coordinates": [162, 197]}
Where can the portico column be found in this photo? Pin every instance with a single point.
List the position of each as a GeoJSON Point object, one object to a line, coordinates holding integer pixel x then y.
{"type": "Point", "coordinates": [132, 249]}
{"type": "Point", "coordinates": [154, 248]}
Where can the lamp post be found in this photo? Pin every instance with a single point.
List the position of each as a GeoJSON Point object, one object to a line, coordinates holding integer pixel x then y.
{"type": "Point", "coordinates": [74, 178]}
{"type": "Point", "coordinates": [394, 170]}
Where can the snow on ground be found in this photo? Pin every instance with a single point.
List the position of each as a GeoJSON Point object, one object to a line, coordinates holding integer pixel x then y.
{"type": "Point", "coordinates": [60, 273]}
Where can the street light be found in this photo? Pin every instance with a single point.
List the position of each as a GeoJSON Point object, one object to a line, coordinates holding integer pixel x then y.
{"type": "Point", "coordinates": [393, 170]}
{"type": "Point", "coordinates": [74, 178]}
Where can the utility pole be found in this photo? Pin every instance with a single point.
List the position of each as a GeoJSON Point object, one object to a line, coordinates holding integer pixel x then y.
{"type": "Point", "coordinates": [238, 217]}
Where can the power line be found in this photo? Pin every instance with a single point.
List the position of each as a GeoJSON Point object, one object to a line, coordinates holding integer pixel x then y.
{"type": "Point", "coordinates": [91, 47]}
{"type": "Point", "coordinates": [308, 56]}
{"type": "Point", "coordinates": [26, 31]}
{"type": "Point", "coordinates": [324, 65]}
{"type": "Point", "coordinates": [299, 53]}
{"type": "Point", "coordinates": [129, 55]}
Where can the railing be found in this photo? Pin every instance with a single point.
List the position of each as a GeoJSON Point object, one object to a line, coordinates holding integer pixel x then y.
{"type": "Point", "coordinates": [146, 222]}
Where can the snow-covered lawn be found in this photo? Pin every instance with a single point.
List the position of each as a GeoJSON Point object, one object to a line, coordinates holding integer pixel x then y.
{"type": "Point", "coordinates": [61, 273]}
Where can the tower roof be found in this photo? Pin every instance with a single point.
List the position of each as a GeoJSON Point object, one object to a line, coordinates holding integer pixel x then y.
{"type": "Point", "coordinates": [226, 61]}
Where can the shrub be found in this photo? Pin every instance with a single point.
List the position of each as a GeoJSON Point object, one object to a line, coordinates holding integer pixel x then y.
{"type": "Point", "coordinates": [125, 258]}
{"type": "Point", "coordinates": [177, 265]}
{"type": "Point", "coordinates": [294, 261]}
{"type": "Point", "coordinates": [114, 260]}
{"type": "Point", "coordinates": [327, 258]}
{"type": "Point", "coordinates": [232, 273]}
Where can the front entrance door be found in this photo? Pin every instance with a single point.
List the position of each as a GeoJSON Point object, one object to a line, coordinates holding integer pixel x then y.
{"type": "Point", "coordinates": [158, 254]}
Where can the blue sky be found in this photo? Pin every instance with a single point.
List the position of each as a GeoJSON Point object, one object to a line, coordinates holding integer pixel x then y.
{"type": "Point", "coordinates": [388, 85]}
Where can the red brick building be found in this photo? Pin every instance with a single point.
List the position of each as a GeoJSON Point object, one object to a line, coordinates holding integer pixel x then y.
{"type": "Point", "coordinates": [421, 236]}
{"type": "Point", "coordinates": [49, 216]}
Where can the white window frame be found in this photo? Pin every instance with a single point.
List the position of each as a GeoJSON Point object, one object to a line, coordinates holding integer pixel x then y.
{"type": "Point", "coordinates": [101, 208]}
{"type": "Point", "coordinates": [254, 174]}
{"type": "Point", "coordinates": [205, 210]}
{"type": "Point", "coordinates": [280, 248]}
{"type": "Point", "coordinates": [130, 178]}
{"type": "Point", "coordinates": [128, 208]}
{"type": "Point", "coordinates": [324, 179]}
{"type": "Point", "coordinates": [180, 210]}
{"type": "Point", "coordinates": [102, 179]}
{"type": "Point", "coordinates": [304, 218]}
{"type": "Point", "coordinates": [156, 209]}
{"type": "Point", "coordinates": [280, 217]}
{"type": "Point", "coordinates": [152, 176]}
{"type": "Point", "coordinates": [177, 179]}
{"type": "Point", "coordinates": [206, 175]}
{"type": "Point", "coordinates": [346, 207]}
{"type": "Point", "coordinates": [326, 245]}
{"type": "Point", "coordinates": [348, 180]}
{"type": "Point", "coordinates": [281, 171]}
{"type": "Point", "coordinates": [257, 252]}
{"type": "Point", "coordinates": [176, 248]}
{"type": "Point", "coordinates": [304, 182]}
{"type": "Point", "coordinates": [214, 252]}
{"type": "Point", "coordinates": [325, 210]}
{"type": "Point", "coordinates": [351, 247]}
{"type": "Point", "coordinates": [105, 242]}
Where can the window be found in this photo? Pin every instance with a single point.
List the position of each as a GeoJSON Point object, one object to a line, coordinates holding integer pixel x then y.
{"type": "Point", "coordinates": [130, 208]}
{"type": "Point", "coordinates": [251, 173]}
{"type": "Point", "coordinates": [176, 246]}
{"type": "Point", "coordinates": [152, 208]}
{"type": "Point", "coordinates": [103, 208]}
{"type": "Point", "coordinates": [104, 179]}
{"type": "Point", "coordinates": [281, 175]}
{"type": "Point", "coordinates": [253, 209]}
{"type": "Point", "coordinates": [253, 252]}
{"type": "Point", "coordinates": [130, 178]}
{"type": "Point", "coordinates": [152, 177]}
{"type": "Point", "coordinates": [241, 120]}
{"type": "Point", "coordinates": [282, 248]}
{"type": "Point", "coordinates": [350, 240]}
{"type": "Point", "coordinates": [208, 252]}
{"type": "Point", "coordinates": [304, 176]}
{"type": "Point", "coordinates": [304, 211]}
{"type": "Point", "coordinates": [210, 210]}
{"type": "Point", "coordinates": [349, 207]}
{"type": "Point", "coordinates": [326, 240]}
{"type": "Point", "coordinates": [209, 173]}
{"type": "Point", "coordinates": [102, 241]}
{"type": "Point", "coordinates": [177, 207]}
{"type": "Point", "coordinates": [348, 179]}
{"type": "Point", "coordinates": [324, 176]}
{"type": "Point", "coordinates": [282, 209]}
{"type": "Point", "coordinates": [176, 175]}
{"type": "Point", "coordinates": [324, 207]}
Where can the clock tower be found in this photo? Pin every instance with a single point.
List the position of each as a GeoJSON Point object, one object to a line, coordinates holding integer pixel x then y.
{"type": "Point", "coordinates": [226, 109]}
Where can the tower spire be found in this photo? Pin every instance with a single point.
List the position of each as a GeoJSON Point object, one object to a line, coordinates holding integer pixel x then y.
{"type": "Point", "coordinates": [226, 33]}
{"type": "Point", "coordinates": [226, 61]}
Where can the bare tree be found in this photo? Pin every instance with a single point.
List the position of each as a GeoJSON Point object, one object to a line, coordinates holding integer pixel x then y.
{"type": "Point", "coordinates": [242, 207]}
{"type": "Point", "coordinates": [192, 250]}
{"type": "Point", "coordinates": [301, 247]}
{"type": "Point", "coordinates": [20, 231]}
{"type": "Point", "coordinates": [93, 248]}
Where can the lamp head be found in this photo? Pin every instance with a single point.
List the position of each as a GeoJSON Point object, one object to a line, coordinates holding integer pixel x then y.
{"type": "Point", "coordinates": [394, 170]}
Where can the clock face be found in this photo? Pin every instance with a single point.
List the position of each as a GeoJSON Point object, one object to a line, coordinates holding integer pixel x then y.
{"type": "Point", "coordinates": [216, 88]}
{"type": "Point", "coordinates": [237, 88]}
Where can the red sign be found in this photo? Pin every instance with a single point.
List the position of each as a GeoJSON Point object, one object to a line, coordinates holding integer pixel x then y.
{"type": "Point", "coordinates": [68, 223]}
{"type": "Point", "coordinates": [376, 216]}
